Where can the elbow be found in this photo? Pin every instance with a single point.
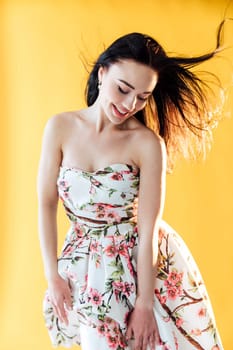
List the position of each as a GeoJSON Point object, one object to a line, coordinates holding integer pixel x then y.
{"type": "Point", "coordinates": [48, 202]}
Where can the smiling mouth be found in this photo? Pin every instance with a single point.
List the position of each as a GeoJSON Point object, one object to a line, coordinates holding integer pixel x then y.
{"type": "Point", "coordinates": [118, 113]}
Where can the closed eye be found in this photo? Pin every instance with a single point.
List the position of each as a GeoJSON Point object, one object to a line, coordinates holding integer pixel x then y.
{"type": "Point", "coordinates": [143, 99]}
{"type": "Point", "coordinates": [122, 91]}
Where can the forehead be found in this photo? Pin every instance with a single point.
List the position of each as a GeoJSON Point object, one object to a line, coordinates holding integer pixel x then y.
{"type": "Point", "coordinates": [137, 74]}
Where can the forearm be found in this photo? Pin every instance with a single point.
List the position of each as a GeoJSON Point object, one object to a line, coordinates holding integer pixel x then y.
{"type": "Point", "coordinates": [48, 239]}
{"type": "Point", "coordinates": [146, 269]}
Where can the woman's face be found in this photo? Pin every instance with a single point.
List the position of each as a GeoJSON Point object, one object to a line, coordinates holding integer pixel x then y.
{"type": "Point", "coordinates": [125, 89]}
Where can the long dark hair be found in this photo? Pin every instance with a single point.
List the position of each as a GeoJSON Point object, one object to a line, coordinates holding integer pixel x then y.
{"type": "Point", "coordinates": [178, 109]}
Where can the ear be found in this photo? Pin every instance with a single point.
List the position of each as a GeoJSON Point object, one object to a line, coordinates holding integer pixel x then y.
{"type": "Point", "coordinates": [102, 70]}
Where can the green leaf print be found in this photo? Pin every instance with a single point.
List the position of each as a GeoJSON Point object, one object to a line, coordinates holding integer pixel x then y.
{"type": "Point", "coordinates": [97, 233]}
{"type": "Point", "coordinates": [135, 184]}
{"type": "Point", "coordinates": [111, 191]}
{"type": "Point", "coordinates": [116, 274]}
{"type": "Point", "coordinates": [113, 263]}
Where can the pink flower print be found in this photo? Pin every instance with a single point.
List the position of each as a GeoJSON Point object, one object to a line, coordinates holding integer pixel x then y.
{"type": "Point", "coordinates": [112, 341]}
{"type": "Point", "coordinates": [129, 288]}
{"type": "Point", "coordinates": [118, 285]}
{"type": "Point", "coordinates": [100, 211]}
{"type": "Point", "coordinates": [100, 215]}
{"type": "Point", "coordinates": [110, 250]}
{"type": "Point", "coordinates": [173, 292]}
{"type": "Point", "coordinates": [162, 298]}
{"type": "Point", "coordinates": [64, 188]}
{"type": "Point", "coordinates": [117, 293]}
{"type": "Point", "coordinates": [84, 286]}
{"type": "Point", "coordinates": [112, 216]}
{"type": "Point", "coordinates": [94, 246]}
{"type": "Point", "coordinates": [78, 231]}
{"type": "Point", "coordinates": [124, 287]}
{"type": "Point", "coordinates": [174, 284]}
{"type": "Point", "coordinates": [99, 207]}
{"type": "Point", "coordinates": [95, 296]}
{"type": "Point", "coordinates": [132, 242]}
{"type": "Point", "coordinates": [122, 250]}
{"type": "Point", "coordinates": [117, 176]}
{"type": "Point", "coordinates": [174, 278]}
{"type": "Point", "coordinates": [95, 182]}
{"type": "Point", "coordinates": [202, 312]}
{"type": "Point", "coordinates": [108, 320]}
{"type": "Point", "coordinates": [196, 331]}
{"type": "Point", "coordinates": [101, 328]}
{"type": "Point", "coordinates": [65, 194]}
{"type": "Point", "coordinates": [92, 190]}
{"type": "Point", "coordinates": [68, 250]}
{"type": "Point", "coordinates": [179, 322]}
{"type": "Point", "coordinates": [63, 184]}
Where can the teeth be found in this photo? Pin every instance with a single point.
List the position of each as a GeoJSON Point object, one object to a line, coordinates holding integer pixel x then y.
{"type": "Point", "coordinates": [121, 112]}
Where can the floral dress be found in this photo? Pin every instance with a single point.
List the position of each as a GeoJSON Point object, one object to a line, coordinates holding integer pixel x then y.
{"type": "Point", "coordinates": [99, 261]}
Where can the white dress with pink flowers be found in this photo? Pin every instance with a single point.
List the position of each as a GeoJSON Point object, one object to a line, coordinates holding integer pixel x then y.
{"type": "Point", "coordinates": [99, 260]}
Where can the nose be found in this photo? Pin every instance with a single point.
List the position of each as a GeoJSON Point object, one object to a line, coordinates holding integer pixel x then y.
{"type": "Point", "coordinates": [130, 103]}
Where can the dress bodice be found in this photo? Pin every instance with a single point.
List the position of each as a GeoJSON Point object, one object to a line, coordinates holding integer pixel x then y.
{"type": "Point", "coordinates": [105, 195]}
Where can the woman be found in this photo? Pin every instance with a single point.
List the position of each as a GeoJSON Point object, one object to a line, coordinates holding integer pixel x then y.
{"type": "Point", "coordinates": [124, 279]}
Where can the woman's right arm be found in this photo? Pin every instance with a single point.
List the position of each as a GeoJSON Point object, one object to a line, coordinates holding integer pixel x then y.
{"type": "Point", "coordinates": [51, 156]}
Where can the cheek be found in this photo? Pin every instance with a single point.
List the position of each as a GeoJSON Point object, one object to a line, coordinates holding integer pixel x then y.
{"type": "Point", "coordinates": [140, 105]}
{"type": "Point", "coordinates": [111, 93]}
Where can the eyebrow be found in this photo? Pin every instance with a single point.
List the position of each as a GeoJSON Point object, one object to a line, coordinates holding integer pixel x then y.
{"type": "Point", "coordinates": [132, 87]}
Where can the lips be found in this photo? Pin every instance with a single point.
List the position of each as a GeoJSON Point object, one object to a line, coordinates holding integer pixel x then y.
{"type": "Point", "coordinates": [119, 113]}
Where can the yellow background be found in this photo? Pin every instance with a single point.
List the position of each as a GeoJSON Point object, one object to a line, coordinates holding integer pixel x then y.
{"type": "Point", "coordinates": [41, 74]}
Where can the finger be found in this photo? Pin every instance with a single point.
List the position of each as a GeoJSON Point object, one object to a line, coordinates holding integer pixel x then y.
{"type": "Point", "coordinates": [57, 313]}
{"type": "Point", "coordinates": [144, 343]}
{"type": "Point", "coordinates": [129, 333]}
{"type": "Point", "coordinates": [68, 301]}
{"type": "Point", "coordinates": [61, 313]}
{"type": "Point", "coordinates": [157, 338]}
{"type": "Point", "coordinates": [152, 342]}
{"type": "Point", "coordinates": [138, 343]}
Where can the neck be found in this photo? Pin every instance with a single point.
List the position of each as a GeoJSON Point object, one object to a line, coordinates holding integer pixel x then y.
{"type": "Point", "coordinates": [98, 117]}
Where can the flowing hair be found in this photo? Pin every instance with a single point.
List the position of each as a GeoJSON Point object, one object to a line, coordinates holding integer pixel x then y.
{"type": "Point", "coordinates": [179, 109]}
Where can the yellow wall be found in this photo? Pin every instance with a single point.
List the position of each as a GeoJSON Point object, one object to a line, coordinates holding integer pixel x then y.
{"type": "Point", "coordinates": [41, 74]}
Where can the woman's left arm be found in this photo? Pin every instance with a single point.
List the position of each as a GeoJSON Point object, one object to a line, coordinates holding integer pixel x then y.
{"type": "Point", "coordinates": [142, 324]}
{"type": "Point", "coordinates": [150, 208]}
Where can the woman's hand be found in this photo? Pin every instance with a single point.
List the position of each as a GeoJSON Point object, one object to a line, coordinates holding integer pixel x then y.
{"type": "Point", "coordinates": [60, 297]}
{"type": "Point", "coordinates": [142, 327]}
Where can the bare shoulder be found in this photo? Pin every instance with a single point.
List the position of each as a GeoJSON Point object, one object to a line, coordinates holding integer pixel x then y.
{"type": "Point", "coordinates": [150, 147]}
{"type": "Point", "coordinates": [62, 120]}
{"type": "Point", "coordinates": [59, 125]}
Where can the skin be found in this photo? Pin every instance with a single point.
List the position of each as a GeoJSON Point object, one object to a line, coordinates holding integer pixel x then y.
{"type": "Point", "coordinates": [116, 137]}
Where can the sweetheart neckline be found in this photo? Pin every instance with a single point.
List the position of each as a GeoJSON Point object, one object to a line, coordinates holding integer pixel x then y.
{"type": "Point", "coordinates": [77, 169]}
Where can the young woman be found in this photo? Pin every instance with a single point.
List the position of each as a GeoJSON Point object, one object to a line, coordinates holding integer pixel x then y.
{"type": "Point", "coordinates": [124, 279]}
